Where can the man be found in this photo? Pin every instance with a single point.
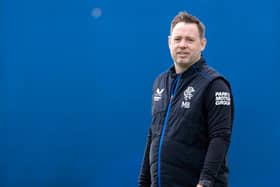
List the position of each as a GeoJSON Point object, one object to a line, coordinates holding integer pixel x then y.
{"type": "Point", "coordinates": [192, 116]}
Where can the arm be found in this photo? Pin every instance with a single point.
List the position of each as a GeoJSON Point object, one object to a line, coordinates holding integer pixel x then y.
{"type": "Point", "coordinates": [145, 177]}
{"type": "Point", "coordinates": [219, 109]}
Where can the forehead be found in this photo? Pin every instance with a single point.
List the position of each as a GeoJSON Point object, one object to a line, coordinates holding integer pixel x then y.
{"type": "Point", "coordinates": [185, 29]}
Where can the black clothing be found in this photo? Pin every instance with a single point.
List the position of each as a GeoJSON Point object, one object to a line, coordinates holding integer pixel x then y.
{"type": "Point", "coordinates": [192, 115]}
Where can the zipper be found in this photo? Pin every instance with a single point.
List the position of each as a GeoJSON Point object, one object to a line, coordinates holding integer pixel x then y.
{"type": "Point", "coordinates": [173, 89]}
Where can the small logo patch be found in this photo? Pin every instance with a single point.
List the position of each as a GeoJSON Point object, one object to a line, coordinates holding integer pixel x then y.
{"type": "Point", "coordinates": [158, 94]}
{"type": "Point", "coordinates": [188, 94]}
{"type": "Point", "coordinates": [222, 98]}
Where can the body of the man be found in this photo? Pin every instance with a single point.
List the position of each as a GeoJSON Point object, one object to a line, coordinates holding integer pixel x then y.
{"type": "Point", "coordinates": [191, 116]}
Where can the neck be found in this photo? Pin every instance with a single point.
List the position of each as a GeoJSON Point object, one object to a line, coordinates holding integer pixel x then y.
{"type": "Point", "coordinates": [180, 69]}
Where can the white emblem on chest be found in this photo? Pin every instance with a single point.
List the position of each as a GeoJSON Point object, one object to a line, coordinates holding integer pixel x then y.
{"type": "Point", "coordinates": [188, 94]}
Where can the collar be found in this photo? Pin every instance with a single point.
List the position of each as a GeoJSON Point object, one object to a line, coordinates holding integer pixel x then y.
{"type": "Point", "coordinates": [190, 71]}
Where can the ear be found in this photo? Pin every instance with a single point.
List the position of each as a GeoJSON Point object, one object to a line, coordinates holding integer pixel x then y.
{"type": "Point", "coordinates": [169, 41]}
{"type": "Point", "coordinates": [203, 42]}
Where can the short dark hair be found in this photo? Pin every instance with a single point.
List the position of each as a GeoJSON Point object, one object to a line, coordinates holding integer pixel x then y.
{"type": "Point", "coordinates": [188, 18]}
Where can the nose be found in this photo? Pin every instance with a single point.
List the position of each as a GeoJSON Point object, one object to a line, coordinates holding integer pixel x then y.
{"type": "Point", "coordinates": [183, 44]}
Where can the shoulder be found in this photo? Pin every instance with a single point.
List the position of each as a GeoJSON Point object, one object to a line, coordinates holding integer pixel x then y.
{"type": "Point", "coordinates": [209, 73]}
{"type": "Point", "coordinates": [219, 84]}
{"type": "Point", "coordinates": [161, 77]}
{"type": "Point", "coordinates": [213, 76]}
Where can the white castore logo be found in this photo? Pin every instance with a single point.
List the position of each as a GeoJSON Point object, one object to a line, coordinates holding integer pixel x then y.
{"type": "Point", "coordinates": [158, 94]}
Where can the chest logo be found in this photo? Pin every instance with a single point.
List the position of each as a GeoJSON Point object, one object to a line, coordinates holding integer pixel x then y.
{"type": "Point", "coordinates": [158, 94]}
{"type": "Point", "coordinates": [188, 94]}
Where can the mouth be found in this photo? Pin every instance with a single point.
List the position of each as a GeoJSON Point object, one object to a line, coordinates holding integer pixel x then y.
{"type": "Point", "coordinates": [182, 54]}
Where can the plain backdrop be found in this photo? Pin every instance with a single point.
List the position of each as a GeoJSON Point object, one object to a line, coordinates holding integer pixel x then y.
{"type": "Point", "coordinates": [76, 80]}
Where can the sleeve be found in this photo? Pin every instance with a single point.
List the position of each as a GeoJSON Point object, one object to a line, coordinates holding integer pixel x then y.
{"type": "Point", "coordinates": [219, 109]}
{"type": "Point", "coordinates": [145, 177]}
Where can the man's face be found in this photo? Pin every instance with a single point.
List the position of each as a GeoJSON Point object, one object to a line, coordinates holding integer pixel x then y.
{"type": "Point", "coordinates": [185, 44]}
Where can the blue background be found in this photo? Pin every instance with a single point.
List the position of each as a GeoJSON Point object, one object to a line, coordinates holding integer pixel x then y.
{"type": "Point", "coordinates": [76, 87]}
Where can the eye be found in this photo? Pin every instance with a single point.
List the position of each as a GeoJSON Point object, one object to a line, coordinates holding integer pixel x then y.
{"type": "Point", "coordinates": [190, 39]}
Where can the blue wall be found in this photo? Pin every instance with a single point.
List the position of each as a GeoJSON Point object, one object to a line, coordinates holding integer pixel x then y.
{"type": "Point", "coordinates": [76, 78]}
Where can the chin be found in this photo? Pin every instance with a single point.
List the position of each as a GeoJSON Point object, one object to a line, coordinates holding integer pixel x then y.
{"type": "Point", "coordinates": [183, 63]}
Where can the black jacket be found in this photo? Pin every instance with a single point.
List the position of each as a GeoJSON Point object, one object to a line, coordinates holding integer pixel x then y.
{"type": "Point", "coordinates": [192, 115]}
